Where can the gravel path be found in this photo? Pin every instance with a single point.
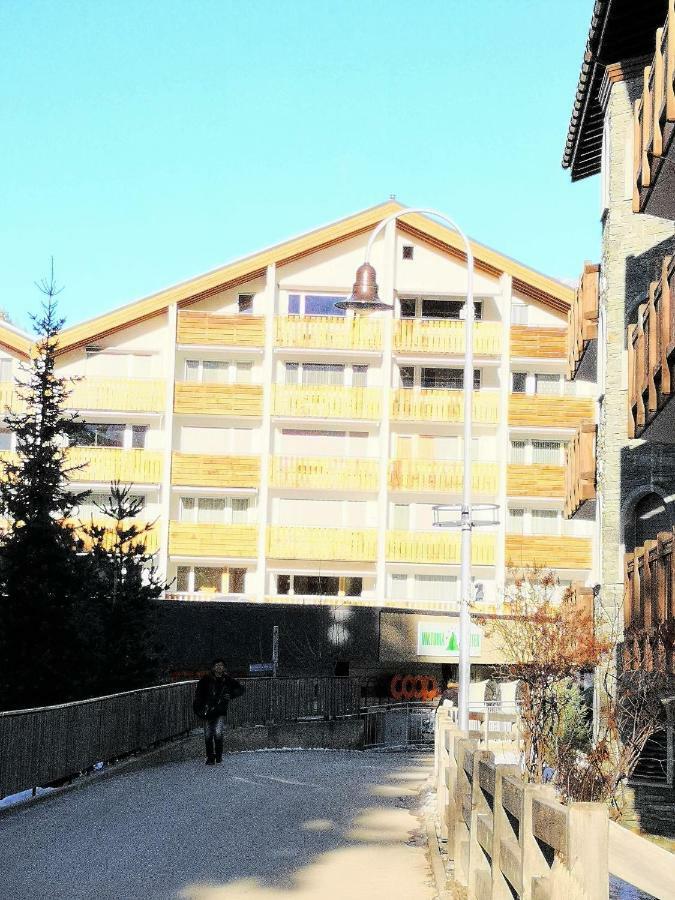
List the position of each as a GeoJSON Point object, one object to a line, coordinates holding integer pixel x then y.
{"type": "Point", "coordinates": [266, 826]}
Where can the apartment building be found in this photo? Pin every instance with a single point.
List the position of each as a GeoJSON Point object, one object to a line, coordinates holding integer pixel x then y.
{"type": "Point", "coordinates": [291, 453]}
{"type": "Point", "coordinates": [622, 333]}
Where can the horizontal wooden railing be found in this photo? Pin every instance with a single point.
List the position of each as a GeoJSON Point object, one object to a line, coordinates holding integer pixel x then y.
{"type": "Point", "coordinates": [548, 551]}
{"type": "Point", "coordinates": [329, 332]}
{"type": "Point", "coordinates": [218, 399]}
{"type": "Point", "coordinates": [654, 120]}
{"type": "Point", "coordinates": [552, 412]}
{"type": "Point", "coordinates": [651, 353]}
{"type": "Point", "coordinates": [150, 539]}
{"type": "Point", "coordinates": [535, 480]}
{"type": "Point", "coordinates": [432, 547]}
{"type": "Point", "coordinates": [124, 394]}
{"type": "Point", "coordinates": [409, 405]}
{"type": "Point", "coordinates": [446, 336]}
{"type": "Point", "coordinates": [441, 476]}
{"type": "Point", "coordinates": [106, 464]}
{"type": "Point", "coordinates": [538, 342]}
{"type": "Point", "coordinates": [209, 329]}
{"type": "Point", "coordinates": [323, 473]}
{"type": "Point", "coordinates": [188, 539]}
{"type": "Point", "coordinates": [649, 606]}
{"type": "Point", "coordinates": [304, 542]}
{"type": "Point", "coordinates": [329, 401]}
{"type": "Point", "coordinates": [580, 469]}
{"type": "Point", "coordinates": [508, 838]}
{"type": "Point", "coordinates": [211, 470]}
{"type": "Point", "coordinates": [582, 319]}
{"type": "Point", "coordinates": [53, 743]}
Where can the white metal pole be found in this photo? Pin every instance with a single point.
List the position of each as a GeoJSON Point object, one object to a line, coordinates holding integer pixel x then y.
{"type": "Point", "coordinates": [464, 667]}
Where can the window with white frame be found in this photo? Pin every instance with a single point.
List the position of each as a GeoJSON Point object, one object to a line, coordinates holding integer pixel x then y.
{"type": "Point", "coordinates": [547, 384]}
{"type": "Point", "coordinates": [6, 439]}
{"type": "Point", "coordinates": [515, 520]}
{"type": "Point", "coordinates": [400, 516]}
{"type": "Point", "coordinates": [91, 506]}
{"type": "Point", "coordinates": [314, 305]}
{"type": "Point", "coordinates": [436, 378]}
{"type": "Point", "coordinates": [320, 585]}
{"type": "Point", "coordinates": [436, 308]}
{"type": "Point", "coordinates": [210, 580]}
{"type": "Point", "coordinates": [218, 371]}
{"type": "Point", "coordinates": [100, 363]}
{"type": "Point", "coordinates": [216, 441]}
{"type": "Point", "coordinates": [519, 315]}
{"type": "Point", "coordinates": [545, 521]}
{"type": "Point", "coordinates": [322, 442]}
{"type": "Point", "coordinates": [519, 382]}
{"type": "Point", "coordinates": [6, 368]}
{"type": "Point", "coordinates": [519, 452]}
{"type": "Point", "coordinates": [315, 513]}
{"type": "Point", "coordinates": [439, 588]}
{"type": "Point", "coordinates": [109, 434]}
{"type": "Point", "coordinates": [336, 374]}
{"type": "Point", "coordinates": [245, 304]}
{"type": "Point", "coordinates": [547, 453]}
{"type": "Point", "coordinates": [217, 510]}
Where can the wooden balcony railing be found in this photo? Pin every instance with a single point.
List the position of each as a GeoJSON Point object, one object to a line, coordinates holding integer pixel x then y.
{"type": "Point", "coordinates": [411, 405]}
{"type": "Point", "coordinates": [150, 540]}
{"type": "Point", "coordinates": [538, 342]}
{"type": "Point", "coordinates": [325, 544]}
{"type": "Point", "coordinates": [654, 123]}
{"type": "Point", "coordinates": [580, 469]}
{"type": "Point", "coordinates": [218, 399]}
{"type": "Point", "coordinates": [548, 551]}
{"type": "Point", "coordinates": [202, 470]}
{"type": "Point", "coordinates": [106, 464]}
{"type": "Point", "coordinates": [323, 473]}
{"type": "Point", "coordinates": [326, 401]}
{"type": "Point", "coordinates": [329, 332]}
{"type": "Point", "coordinates": [581, 598]}
{"type": "Point", "coordinates": [432, 547]}
{"type": "Point", "coordinates": [535, 480]}
{"type": "Point", "coordinates": [189, 539]}
{"type": "Point", "coordinates": [124, 394]}
{"type": "Point", "coordinates": [446, 336]}
{"type": "Point", "coordinates": [208, 329]}
{"type": "Point", "coordinates": [440, 476]}
{"type": "Point", "coordinates": [582, 319]}
{"type": "Point", "coordinates": [649, 606]}
{"type": "Point", "coordinates": [553, 412]}
{"type": "Point", "coordinates": [651, 353]}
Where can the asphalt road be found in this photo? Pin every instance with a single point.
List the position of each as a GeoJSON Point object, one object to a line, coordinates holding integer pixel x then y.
{"type": "Point", "coordinates": [266, 826]}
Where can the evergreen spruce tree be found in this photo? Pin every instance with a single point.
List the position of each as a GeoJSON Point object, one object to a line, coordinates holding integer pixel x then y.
{"type": "Point", "coordinates": [43, 610]}
{"type": "Point", "coordinates": [123, 583]}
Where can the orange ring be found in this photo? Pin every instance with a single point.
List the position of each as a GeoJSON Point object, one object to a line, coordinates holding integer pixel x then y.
{"type": "Point", "coordinates": [408, 687]}
{"type": "Point", "coordinates": [395, 687]}
{"type": "Point", "coordinates": [419, 686]}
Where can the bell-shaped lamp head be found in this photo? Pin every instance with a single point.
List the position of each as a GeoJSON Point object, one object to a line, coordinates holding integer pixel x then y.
{"type": "Point", "coordinates": [364, 293]}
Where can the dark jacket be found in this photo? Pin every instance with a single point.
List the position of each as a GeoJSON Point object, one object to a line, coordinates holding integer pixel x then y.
{"type": "Point", "coordinates": [213, 695]}
{"type": "Point", "coordinates": [451, 694]}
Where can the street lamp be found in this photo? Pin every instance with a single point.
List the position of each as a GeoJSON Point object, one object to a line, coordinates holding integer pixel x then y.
{"type": "Point", "coordinates": [365, 297]}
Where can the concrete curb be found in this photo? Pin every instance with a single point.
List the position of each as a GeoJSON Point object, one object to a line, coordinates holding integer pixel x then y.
{"type": "Point", "coordinates": [443, 883]}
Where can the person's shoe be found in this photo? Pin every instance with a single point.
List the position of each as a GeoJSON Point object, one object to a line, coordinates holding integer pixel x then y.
{"type": "Point", "coordinates": [210, 761]}
{"type": "Point", "coordinates": [219, 759]}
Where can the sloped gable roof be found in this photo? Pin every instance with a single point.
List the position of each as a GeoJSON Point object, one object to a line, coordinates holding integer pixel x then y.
{"type": "Point", "coordinates": [538, 287]}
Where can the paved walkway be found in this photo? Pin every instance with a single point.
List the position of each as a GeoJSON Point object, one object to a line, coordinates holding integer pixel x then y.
{"type": "Point", "coordinates": [265, 826]}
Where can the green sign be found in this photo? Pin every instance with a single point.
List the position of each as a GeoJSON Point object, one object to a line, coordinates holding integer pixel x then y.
{"type": "Point", "coordinates": [436, 639]}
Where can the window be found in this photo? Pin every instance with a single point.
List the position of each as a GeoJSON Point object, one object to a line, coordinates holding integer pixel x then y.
{"type": "Point", "coordinates": [95, 434]}
{"type": "Point", "coordinates": [515, 521]}
{"type": "Point", "coordinates": [518, 452]}
{"type": "Point", "coordinates": [218, 371]}
{"type": "Point", "coordinates": [545, 521]}
{"type": "Point", "coordinates": [408, 251]}
{"type": "Point", "coordinates": [330, 374]}
{"type": "Point", "coordinates": [218, 441]}
{"type": "Point", "coordinates": [237, 581]}
{"type": "Point", "coordinates": [91, 505]}
{"type": "Point", "coordinates": [546, 453]}
{"type": "Point", "coordinates": [192, 370]}
{"type": "Point", "coordinates": [547, 384]}
{"type": "Point", "coordinates": [6, 369]}
{"type": "Point", "coordinates": [518, 313]}
{"type": "Point", "coordinates": [214, 371]}
{"type": "Point", "coordinates": [245, 304]}
{"type": "Point", "coordinates": [406, 376]}
{"type": "Point", "coordinates": [399, 587]}
{"type": "Point", "coordinates": [323, 374]}
{"type": "Point", "coordinates": [447, 379]}
{"type": "Point", "coordinates": [435, 587]}
{"type": "Point", "coordinates": [5, 439]}
{"type": "Point", "coordinates": [210, 580]}
{"type": "Point", "coordinates": [292, 371]}
{"type": "Point", "coordinates": [314, 305]}
{"type": "Point", "coordinates": [448, 309]}
{"type": "Point", "coordinates": [215, 510]}
{"type": "Point", "coordinates": [319, 585]}
{"type": "Point", "coordinates": [407, 308]}
{"type": "Point", "coordinates": [243, 372]}
{"type": "Point", "coordinates": [519, 382]}
{"type": "Point", "coordinates": [360, 376]}
{"type": "Point", "coordinates": [400, 519]}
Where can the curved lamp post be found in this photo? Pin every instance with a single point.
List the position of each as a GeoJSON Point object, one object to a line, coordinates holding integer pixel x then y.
{"type": "Point", "coordinates": [365, 297]}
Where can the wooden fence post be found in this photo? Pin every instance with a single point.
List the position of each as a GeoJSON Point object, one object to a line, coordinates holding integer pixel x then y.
{"type": "Point", "coordinates": [480, 830]}
{"type": "Point", "coordinates": [505, 840]}
{"type": "Point", "coordinates": [588, 848]}
{"type": "Point", "coordinates": [451, 737]}
{"type": "Point", "coordinates": [535, 865]}
{"type": "Point", "coordinates": [464, 750]}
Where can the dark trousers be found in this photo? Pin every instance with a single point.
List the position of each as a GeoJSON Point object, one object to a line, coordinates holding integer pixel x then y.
{"type": "Point", "coordinates": [214, 731]}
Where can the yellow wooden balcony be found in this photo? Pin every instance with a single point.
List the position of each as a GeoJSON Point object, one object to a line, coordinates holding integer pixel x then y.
{"type": "Point", "coordinates": [438, 547]}
{"type": "Point", "coordinates": [411, 405]}
{"type": "Point", "coordinates": [538, 342]}
{"type": "Point", "coordinates": [326, 401]}
{"type": "Point", "coordinates": [582, 319]}
{"type": "Point", "coordinates": [202, 470]}
{"type": "Point", "coordinates": [552, 412]}
{"type": "Point", "coordinates": [208, 329]}
{"type": "Point", "coordinates": [188, 539]}
{"type": "Point", "coordinates": [9, 398]}
{"type": "Point", "coordinates": [440, 476]}
{"type": "Point", "coordinates": [124, 394]}
{"type": "Point", "coordinates": [325, 544]}
{"type": "Point", "coordinates": [446, 336]}
{"type": "Point", "coordinates": [548, 551]}
{"type": "Point", "coordinates": [329, 332]}
{"type": "Point", "coordinates": [654, 126]}
{"type": "Point", "coordinates": [218, 399]}
{"type": "Point", "coordinates": [114, 464]}
{"type": "Point", "coordinates": [580, 469]}
{"type": "Point", "coordinates": [323, 473]}
{"type": "Point", "coordinates": [535, 481]}
{"type": "Point", "coordinates": [150, 540]}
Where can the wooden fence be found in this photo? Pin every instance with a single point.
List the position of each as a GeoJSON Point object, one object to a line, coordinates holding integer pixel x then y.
{"type": "Point", "coordinates": [54, 743]}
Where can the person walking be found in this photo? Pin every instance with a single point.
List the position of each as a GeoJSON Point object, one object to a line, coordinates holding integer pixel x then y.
{"type": "Point", "coordinates": [450, 695]}
{"type": "Point", "coordinates": [213, 694]}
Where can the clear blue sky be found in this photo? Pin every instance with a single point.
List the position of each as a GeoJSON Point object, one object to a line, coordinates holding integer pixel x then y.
{"type": "Point", "coordinates": [147, 141]}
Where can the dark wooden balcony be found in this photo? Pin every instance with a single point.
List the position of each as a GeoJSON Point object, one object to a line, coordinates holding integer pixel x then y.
{"type": "Point", "coordinates": [580, 469]}
{"type": "Point", "coordinates": [582, 319]}
{"type": "Point", "coordinates": [649, 624]}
